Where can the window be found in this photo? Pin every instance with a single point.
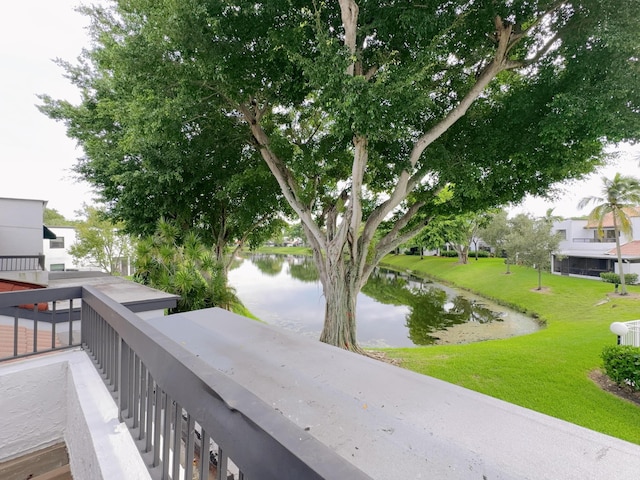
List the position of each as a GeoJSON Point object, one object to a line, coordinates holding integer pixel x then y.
{"type": "Point", "coordinates": [56, 267]}
{"type": "Point", "coordinates": [609, 235]}
{"type": "Point", "coordinates": [56, 242]}
{"type": "Point", "coordinates": [562, 234]}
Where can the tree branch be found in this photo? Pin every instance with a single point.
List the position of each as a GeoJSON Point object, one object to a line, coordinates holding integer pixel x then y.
{"type": "Point", "coordinates": [349, 11]}
{"type": "Point", "coordinates": [281, 173]}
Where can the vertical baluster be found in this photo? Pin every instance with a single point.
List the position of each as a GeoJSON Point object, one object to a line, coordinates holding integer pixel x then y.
{"type": "Point", "coordinates": [150, 412]}
{"type": "Point", "coordinates": [222, 465]}
{"type": "Point", "coordinates": [144, 393]}
{"type": "Point", "coordinates": [166, 436]}
{"type": "Point", "coordinates": [177, 440]}
{"type": "Point", "coordinates": [101, 341]}
{"type": "Point", "coordinates": [157, 424]}
{"type": "Point", "coordinates": [131, 383]}
{"type": "Point", "coordinates": [123, 397]}
{"type": "Point", "coordinates": [204, 454]}
{"type": "Point", "coordinates": [15, 333]}
{"type": "Point", "coordinates": [70, 321]}
{"type": "Point", "coordinates": [136, 391]}
{"type": "Point", "coordinates": [53, 326]}
{"type": "Point", "coordinates": [35, 327]}
{"type": "Point", "coordinates": [189, 448]}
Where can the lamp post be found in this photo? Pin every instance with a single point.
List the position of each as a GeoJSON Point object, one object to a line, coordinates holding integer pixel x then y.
{"type": "Point", "coordinates": [620, 329]}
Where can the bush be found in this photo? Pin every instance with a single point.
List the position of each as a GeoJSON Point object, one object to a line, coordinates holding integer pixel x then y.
{"type": "Point", "coordinates": [611, 277]}
{"type": "Point", "coordinates": [622, 364]}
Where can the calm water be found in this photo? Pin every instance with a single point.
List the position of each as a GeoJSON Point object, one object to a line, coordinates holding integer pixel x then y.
{"type": "Point", "coordinates": [393, 310]}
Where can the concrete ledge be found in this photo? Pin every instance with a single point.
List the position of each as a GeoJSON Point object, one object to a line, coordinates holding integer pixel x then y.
{"type": "Point", "coordinates": [61, 396]}
{"type": "Point", "coordinates": [393, 423]}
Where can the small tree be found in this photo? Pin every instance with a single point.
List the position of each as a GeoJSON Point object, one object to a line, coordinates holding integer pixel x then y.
{"type": "Point", "coordinates": [495, 230]}
{"type": "Point", "coordinates": [100, 242]}
{"type": "Point", "coordinates": [531, 243]}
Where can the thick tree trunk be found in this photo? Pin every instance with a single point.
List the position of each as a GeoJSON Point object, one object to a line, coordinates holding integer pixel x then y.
{"type": "Point", "coordinates": [340, 292]}
{"type": "Point", "coordinates": [463, 254]}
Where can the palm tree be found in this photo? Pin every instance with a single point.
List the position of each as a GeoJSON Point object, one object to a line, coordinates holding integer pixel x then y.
{"type": "Point", "coordinates": [618, 195]}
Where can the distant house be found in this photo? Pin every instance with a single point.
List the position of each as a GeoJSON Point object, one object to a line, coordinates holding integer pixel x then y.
{"type": "Point", "coordinates": [58, 258]}
{"type": "Point", "coordinates": [56, 251]}
{"type": "Point", "coordinates": [21, 235]}
{"type": "Point", "coordinates": [582, 252]}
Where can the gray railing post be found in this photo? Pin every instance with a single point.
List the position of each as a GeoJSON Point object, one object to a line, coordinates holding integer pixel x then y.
{"type": "Point", "coordinates": [123, 384]}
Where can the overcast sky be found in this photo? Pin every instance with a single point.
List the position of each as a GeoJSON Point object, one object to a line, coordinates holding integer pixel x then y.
{"type": "Point", "coordinates": [37, 156]}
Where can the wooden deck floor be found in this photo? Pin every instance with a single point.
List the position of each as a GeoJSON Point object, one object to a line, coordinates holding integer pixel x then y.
{"type": "Point", "coordinates": [51, 463]}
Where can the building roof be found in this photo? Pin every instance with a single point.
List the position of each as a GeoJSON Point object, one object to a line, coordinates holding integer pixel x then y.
{"type": "Point", "coordinates": [131, 294]}
{"type": "Point", "coordinates": [607, 222]}
{"type": "Point", "coordinates": [631, 249]}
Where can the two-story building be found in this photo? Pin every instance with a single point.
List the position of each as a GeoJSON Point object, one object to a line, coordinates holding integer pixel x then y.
{"type": "Point", "coordinates": [21, 241]}
{"type": "Point", "coordinates": [584, 252]}
{"type": "Point", "coordinates": [56, 251]}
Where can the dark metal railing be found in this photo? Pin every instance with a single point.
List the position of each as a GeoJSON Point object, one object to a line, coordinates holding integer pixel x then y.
{"type": "Point", "coordinates": [593, 240]}
{"type": "Point", "coordinates": [36, 319]}
{"type": "Point", "coordinates": [21, 263]}
{"type": "Point", "coordinates": [188, 420]}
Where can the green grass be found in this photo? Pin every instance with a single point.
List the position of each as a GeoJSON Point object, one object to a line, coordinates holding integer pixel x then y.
{"type": "Point", "coordinates": [284, 250]}
{"type": "Point", "coordinates": [546, 371]}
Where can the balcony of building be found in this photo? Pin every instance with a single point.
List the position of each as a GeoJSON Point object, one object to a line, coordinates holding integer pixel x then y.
{"type": "Point", "coordinates": [209, 394]}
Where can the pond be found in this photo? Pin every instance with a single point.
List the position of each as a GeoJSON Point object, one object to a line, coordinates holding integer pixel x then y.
{"type": "Point", "coordinates": [394, 309]}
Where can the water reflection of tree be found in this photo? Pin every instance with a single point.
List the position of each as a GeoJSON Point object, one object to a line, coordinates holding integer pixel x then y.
{"type": "Point", "coordinates": [268, 264]}
{"type": "Point", "coordinates": [235, 263]}
{"type": "Point", "coordinates": [304, 271]}
{"type": "Point", "coordinates": [430, 309]}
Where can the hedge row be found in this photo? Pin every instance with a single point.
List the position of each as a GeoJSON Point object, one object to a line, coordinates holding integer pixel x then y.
{"type": "Point", "coordinates": [611, 277]}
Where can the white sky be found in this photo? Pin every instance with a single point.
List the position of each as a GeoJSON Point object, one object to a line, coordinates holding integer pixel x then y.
{"type": "Point", "coordinates": [35, 153]}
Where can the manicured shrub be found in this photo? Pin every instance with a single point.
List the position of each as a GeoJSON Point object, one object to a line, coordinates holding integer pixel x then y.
{"type": "Point", "coordinates": [622, 364]}
{"type": "Point", "coordinates": [611, 277]}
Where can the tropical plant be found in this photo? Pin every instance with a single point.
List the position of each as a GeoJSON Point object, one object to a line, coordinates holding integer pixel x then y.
{"type": "Point", "coordinates": [618, 196]}
{"type": "Point", "coordinates": [180, 263]}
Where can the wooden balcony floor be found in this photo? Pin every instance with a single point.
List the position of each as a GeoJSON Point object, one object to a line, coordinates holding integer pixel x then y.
{"type": "Point", "coordinates": [51, 463]}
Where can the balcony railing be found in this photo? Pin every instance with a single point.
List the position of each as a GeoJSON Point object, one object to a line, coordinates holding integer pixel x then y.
{"type": "Point", "coordinates": [593, 240]}
{"type": "Point", "coordinates": [21, 263]}
{"type": "Point", "coordinates": [176, 406]}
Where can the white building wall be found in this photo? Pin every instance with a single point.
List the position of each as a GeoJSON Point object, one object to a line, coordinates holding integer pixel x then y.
{"type": "Point", "coordinates": [59, 397]}
{"type": "Point", "coordinates": [61, 256]}
{"type": "Point", "coordinates": [21, 226]}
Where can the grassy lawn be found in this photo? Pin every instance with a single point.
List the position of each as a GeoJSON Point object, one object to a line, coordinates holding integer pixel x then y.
{"type": "Point", "coordinates": [546, 371]}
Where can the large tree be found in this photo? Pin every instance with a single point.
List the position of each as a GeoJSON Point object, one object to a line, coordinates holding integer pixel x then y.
{"type": "Point", "coordinates": [618, 195]}
{"type": "Point", "coordinates": [366, 110]}
{"type": "Point", "coordinates": [154, 151]}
